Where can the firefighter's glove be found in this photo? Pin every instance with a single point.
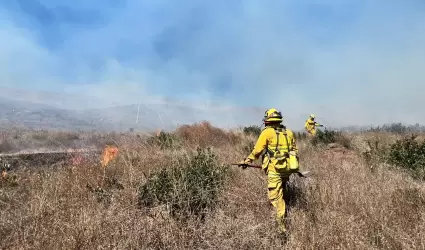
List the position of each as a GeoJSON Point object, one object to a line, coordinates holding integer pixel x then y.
{"type": "Point", "coordinates": [244, 163]}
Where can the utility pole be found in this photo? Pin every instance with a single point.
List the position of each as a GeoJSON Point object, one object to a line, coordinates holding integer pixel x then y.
{"type": "Point", "coordinates": [138, 109]}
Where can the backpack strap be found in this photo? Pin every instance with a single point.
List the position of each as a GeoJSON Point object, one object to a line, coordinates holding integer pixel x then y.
{"type": "Point", "coordinates": [283, 130]}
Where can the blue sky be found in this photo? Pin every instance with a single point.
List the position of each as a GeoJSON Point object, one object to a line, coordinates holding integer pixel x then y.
{"type": "Point", "coordinates": [347, 61]}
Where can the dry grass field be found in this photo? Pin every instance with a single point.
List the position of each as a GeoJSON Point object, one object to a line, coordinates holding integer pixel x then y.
{"type": "Point", "coordinates": [164, 193]}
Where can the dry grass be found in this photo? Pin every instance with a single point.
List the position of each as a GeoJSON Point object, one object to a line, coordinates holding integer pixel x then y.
{"type": "Point", "coordinates": [16, 140]}
{"type": "Point", "coordinates": [205, 135]}
{"type": "Point", "coordinates": [345, 205]}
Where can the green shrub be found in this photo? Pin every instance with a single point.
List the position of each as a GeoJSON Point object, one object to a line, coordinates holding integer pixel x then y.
{"type": "Point", "coordinates": [397, 128]}
{"type": "Point", "coordinates": [252, 130]}
{"type": "Point", "coordinates": [409, 154]}
{"type": "Point", "coordinates": [164, 140]}
{"type": "Point", "coordinates": [300, 136]}
{"type": "Point", "coordinates": [330, 136]}
{"type": "Point", "coordinates": [188, 190]}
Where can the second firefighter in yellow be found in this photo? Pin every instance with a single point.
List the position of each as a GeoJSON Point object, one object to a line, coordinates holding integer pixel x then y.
{"type": "Point", "coordinates": [310, 125]}
{"type": "Point", "coordinates": [279, 161]}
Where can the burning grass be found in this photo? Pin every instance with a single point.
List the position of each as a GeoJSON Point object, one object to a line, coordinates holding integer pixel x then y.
{"type": "Point", "coordinates": [344, 205]}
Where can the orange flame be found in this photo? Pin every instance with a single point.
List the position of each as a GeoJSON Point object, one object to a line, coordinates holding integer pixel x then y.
{"type": "Point", "coordinates": [109, 154]}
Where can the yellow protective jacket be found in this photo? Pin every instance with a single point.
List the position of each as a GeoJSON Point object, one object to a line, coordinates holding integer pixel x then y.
{"type": "Point", "coordinates": [274, 143]}
{"type": "Point", "coordinates": [310, 125]}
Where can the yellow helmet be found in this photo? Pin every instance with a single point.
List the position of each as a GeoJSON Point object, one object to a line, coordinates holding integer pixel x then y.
{"type": "Point", "coordinates": [272, 115]}
{"type": "Point", "coordinates": [313, 116]}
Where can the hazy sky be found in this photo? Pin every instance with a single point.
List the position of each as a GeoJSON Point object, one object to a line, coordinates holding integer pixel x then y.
{"type": "Point", "coordinates": [349, 62]}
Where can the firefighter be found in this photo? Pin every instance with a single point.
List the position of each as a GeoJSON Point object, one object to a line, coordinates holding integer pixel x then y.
{"type": "Point", "coordinates": [310, 125]}
{"type": "Point", "coordinates": [277, 145]}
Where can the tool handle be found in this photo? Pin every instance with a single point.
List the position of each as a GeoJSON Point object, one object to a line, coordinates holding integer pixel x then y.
{"type": "Point", "coordinates": [246, 164]}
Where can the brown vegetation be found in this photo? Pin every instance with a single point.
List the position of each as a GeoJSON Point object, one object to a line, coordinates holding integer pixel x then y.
{"type": "Point", "coordinates": [346, 204]}
{"type": "Point", "coordinates": [204, 134]}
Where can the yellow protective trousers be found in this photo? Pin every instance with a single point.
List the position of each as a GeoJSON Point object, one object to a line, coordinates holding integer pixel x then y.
{"type": "Point", "coordinates": [312, 132]}
{"type": "Point", "coordinates": [276, 184]}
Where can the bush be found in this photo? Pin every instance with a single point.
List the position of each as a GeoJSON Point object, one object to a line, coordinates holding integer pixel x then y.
{"type": "Point", "coordinates": [409, 154]}
{"type": "Point", "coordinates": [203, 134]}
{"type": "Point", "coordinates": [191, 190]}
{"type": "Point", "coordinates": [397, 128]}
{"type": "Point", "coordinates": [252, 130]}
{"type": "Point", "coordinates": [300, 135]}
{"type": "Point", "coordinates": [330, 136]}
{"type": "Point", "coordinates": [164, 140]}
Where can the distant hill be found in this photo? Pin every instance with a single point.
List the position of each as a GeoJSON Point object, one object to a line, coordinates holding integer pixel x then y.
{"type": "Point", "coordinates": [169, 115]}
{"type": "Point", "coordinates": [33, 115]}
{"type": "Point", "coordinates": [165, 115]}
